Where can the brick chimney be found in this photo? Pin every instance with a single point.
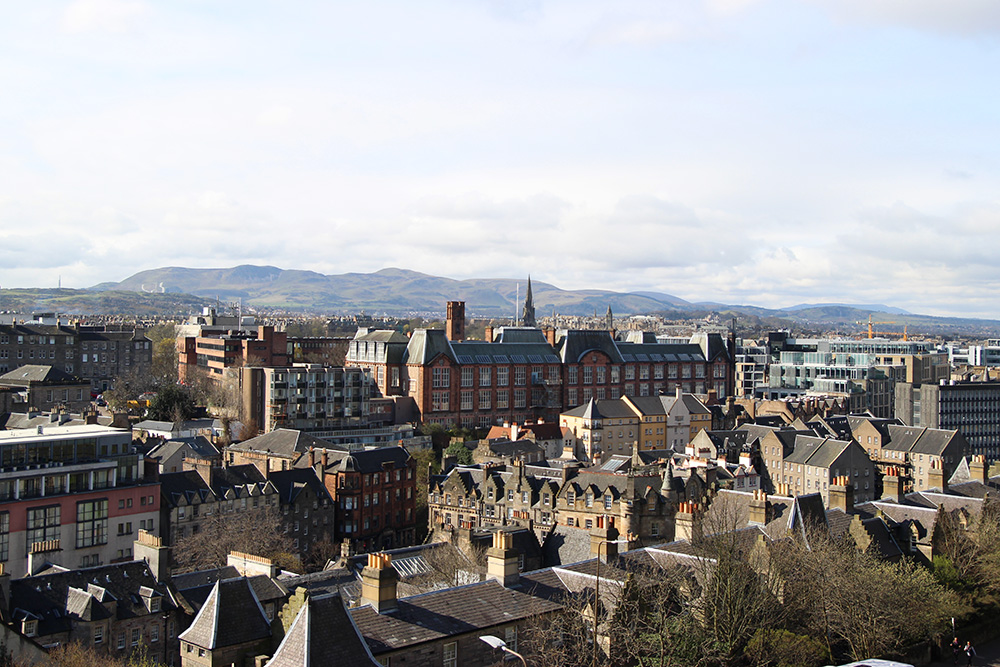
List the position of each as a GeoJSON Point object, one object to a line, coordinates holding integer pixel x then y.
{"type": "Point", "coordinates": [936, 477]}
{"type": "Point", "coordinates": [977, 469]}
{"type": "Point", "coordinates": [502, 559]}
{"type": "Point", "coordinates": [455, 323]}
{"type": "Point", "coordinates": [378, 583]}
{"type": "Point", "coordinates": [488, 333]}
{"type": "Point", "coordinates": [842, 494]}
{"type": "Point", "coordinates": [761, 512]}
{"type": "Point", "coordinates": [892, 485]}
{"type": "Point", "coordinates": [600, 538]}
{"type": "Point", "coordinates": [686, 524]}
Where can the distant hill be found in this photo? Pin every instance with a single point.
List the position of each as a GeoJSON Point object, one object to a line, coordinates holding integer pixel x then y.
{"type": "Point", "coordinates": [178, 290]}
{"type": "Point", "coordinates": [394, 291]}
{"type": "Point", "coordinates": [869, 308]}
{"type": "Point", "coordinates": [89, 302]}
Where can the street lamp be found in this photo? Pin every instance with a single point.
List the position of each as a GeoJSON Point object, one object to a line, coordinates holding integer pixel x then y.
{"type": "Point", "coordinates": [497, 643]}
{"type": "Point", "coordinates": [597, 588]}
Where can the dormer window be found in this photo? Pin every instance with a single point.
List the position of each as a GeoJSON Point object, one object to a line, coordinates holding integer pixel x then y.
{"type": "Point", "coordinates": [154, 605]}
{"type": "Point", "coordinates": [30, 627]}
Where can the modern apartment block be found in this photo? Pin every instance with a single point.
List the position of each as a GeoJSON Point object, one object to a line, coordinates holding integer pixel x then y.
{"type": "Point", "coordinates": [865, 371]}
{"type": "Point", "coordinates": [307, 397]}
{"type": "Point", "coordinates": [72, 495]}
{"type": "Point", "coordinates": [972, 408]}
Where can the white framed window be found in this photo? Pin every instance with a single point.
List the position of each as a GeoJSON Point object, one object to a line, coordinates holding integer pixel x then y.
{"type": "Point", "coordinates": [450, 655]}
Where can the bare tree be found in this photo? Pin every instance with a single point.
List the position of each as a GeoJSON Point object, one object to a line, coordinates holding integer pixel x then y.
{"type": "Point", "coordinates": [255, 531]}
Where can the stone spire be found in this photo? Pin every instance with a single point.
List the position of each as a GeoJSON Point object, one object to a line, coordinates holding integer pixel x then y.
{"type": "Point", "coordinates": [611, 319]}
{"type": "Point", "coordinates": [528, 315]}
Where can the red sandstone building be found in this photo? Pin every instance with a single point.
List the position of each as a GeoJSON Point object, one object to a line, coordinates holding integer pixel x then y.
{"type": "Point", "coordinates": [523, 373]}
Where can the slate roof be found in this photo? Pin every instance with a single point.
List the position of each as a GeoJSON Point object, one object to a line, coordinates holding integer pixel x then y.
{"type": "Point", "coordinates": [232, 615]}
{"type": "Point", "coordinates": [572, 344]}
{"type": "Point", "coordinates": [37, 374]}
{"type": "Point", "coordinates": [322, 634]}
{"type": "Point", "coordinates": [290, 484]}
{"type": "Point", "coordinates": [918, 440]}
{"type": "Point", "coordinates": [57, 598]}
{"type": "Point", "coordinates": [426, 345]}
{"type": "Point", "coordinates": [199, 445]}
{"type": "Point", "coordinates": [372, 460]}
{"type": "Point", "coordinates": [447, 613]}
{"type": "Point", "coordinates": [284, 442]}
{"type": "Point", "coordinates": [508, 448]}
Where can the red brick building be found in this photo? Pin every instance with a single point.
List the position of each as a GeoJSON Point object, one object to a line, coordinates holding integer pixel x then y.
{"type": "Point", "coordinates": [212, 353]}
{"type": "Point", "coordinates": [521, 374]}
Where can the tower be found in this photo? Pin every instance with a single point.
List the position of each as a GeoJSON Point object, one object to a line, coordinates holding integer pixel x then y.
{"type": "Point", "coordinates": [528, 315]}
{"type": "Point", "coordinates": [611, 319]}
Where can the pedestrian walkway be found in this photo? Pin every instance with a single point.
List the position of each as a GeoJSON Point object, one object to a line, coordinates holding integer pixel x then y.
{"type": "Point", "coordinates": [987, 655]}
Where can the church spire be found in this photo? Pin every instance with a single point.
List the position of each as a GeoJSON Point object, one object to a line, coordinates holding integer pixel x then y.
{"type": "Point", "coordinates": [610, 319]}
{"type": "Point", "coordinates": [528, 315]}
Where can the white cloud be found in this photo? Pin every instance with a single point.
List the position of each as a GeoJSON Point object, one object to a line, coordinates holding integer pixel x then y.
{"type": "Point", "coordinates": [948, 16]}
{"type": "Point", "coordinates": [115, 16]}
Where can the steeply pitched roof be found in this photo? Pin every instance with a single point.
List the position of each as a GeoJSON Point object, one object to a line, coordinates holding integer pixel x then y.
{"type": "Point", "coordinates": [87, 593]}
{"type": "Point", "coordinates": [231, 615]}
{"type": "Point", "coordinates": [322, 634]}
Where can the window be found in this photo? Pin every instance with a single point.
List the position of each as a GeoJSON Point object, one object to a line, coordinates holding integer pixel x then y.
{"type": "Point", "coordinates": [91, 523]}
{"type": "Point", "coordinates": [450, 655]}
{"type": "Point", "coordinates": [4, 535]}
{"type": "Point", "coordinates": [121, 641]}
{"type": "Point", "coordinates": [520, 374]}
{"type": "Point", "coordinates": [136, 636]}
{"type": "Point", "coordinates": [485, 377]}
{"type": "Point", "coordinates": [607, 502]}
{"type": "Point", "coordinates": [510, 636]}
{"type": "Point", "coordinates": [466, 400]}
{"type": "Point", "coordinates": [467, 377]}
{"type": "Point", "coordinates": [572, 377]}
{"type": "Point", "coordinates": [440, 400]}
{"type": "Point", "coordinates": [154, 634]}
{"type": "Point", "coordinates": [43, 524]}
{"type": "Point", "coordinates": [503, 400]}
{"type": "Point", "coordinates": [441, 377]}
{"type": "Point", "coordinates": [503, 374]}
{"type": "Point", "coordinates": [485, 400]}
{"type": "Point", "coordinates": [98, 634]}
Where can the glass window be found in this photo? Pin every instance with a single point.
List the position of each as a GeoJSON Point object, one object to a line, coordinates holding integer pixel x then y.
{"type": "Point", "coordinates": [91, 523]}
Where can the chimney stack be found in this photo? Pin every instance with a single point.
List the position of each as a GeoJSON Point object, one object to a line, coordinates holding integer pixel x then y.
{"type": "Point", "coordinates": [760, 509]}
{"type": "Point", "coordinates": [977, 469]}
{"type": "Point", "coordinates": [378, 583]}
{"type": "Point", "coordinates": [149, 547]}
{"type": "Point", "coordinates": [892, 485]}
{"type": "Point", "coordinates": [842, 494]}
{"type": "Point", "coordinates": [488, 333]}
{"type": "Point", "coordinates": [502, 559]}
{"type": "Point", "coordinates": [455, 323]}
{"type": "Point", "coordinates": [686, 525]}
{"type": "Point", "coordinates": [601, 538]}
{"type": "Point", "coordinates": [936, 477]}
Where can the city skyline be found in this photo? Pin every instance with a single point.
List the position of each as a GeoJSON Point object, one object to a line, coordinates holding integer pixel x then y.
{"type": "Point", "coordinates": [765, 152]}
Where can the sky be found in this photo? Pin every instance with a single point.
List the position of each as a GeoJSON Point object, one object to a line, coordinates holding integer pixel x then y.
{"type": "Point", "coordinates": [766, 152]}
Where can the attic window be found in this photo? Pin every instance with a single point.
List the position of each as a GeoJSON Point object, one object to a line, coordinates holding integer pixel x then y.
{"type": "Point", "coordinates": [30, 627]}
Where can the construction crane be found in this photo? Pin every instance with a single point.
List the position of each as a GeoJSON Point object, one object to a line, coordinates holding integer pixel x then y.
{"type": "Point", "coordinates": [871, 328]}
